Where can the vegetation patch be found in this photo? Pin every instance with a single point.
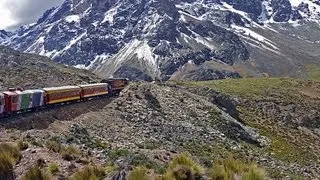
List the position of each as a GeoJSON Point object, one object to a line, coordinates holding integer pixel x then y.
{"type": "Point", "coordinates": [53, 168]}
{"type": "Point", "coordinates": [54, 146]}
{"type": "Point", "coordinates": [183, 167]}
{"type": "Point", "coordinates": [281, 145]}
{"type": "Point", "coordinates": [11, 151]}
{"type": "Point", "coordinates": [36, 173]}
{"type": "Point", "coordinates": [139, 173]}
{"type": "Point", "coordinates": [249, 87]}
{"type": "Point", "coordinates": [231, 168]}
{"type": "Point", "coordinates": [6, 166]}
{"type": "Point", "coordinates": [22, 145]}
{"type": "Point", "coordinates": [70, 153]}
{"type": "Point", "coordinates": [313, 71]}
{"type": "Point", "coordinates": [88, 173]}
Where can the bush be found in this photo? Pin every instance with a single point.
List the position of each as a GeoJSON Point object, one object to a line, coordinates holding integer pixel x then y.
{"type": "Point", "coordinates": [6, 166]}
{"type": "Point", "coordinates": [139, 173]}
{"type": "Point", "coordinates": [22, 145]}
{"type": "Point", "coordinates": [185, 160]}
{"type": "Point", "coordinates": [35, 173]}
{"type": "Point", "coordinates": [53, 146]}
{"type": "Point", "coordinates": [10, 150]}
{"type": "Point", "coordinates": [89, 173]}
{"type": "Point", "coordinates": [53, 168]}
{"type": "Point", "coordinates": [254, 173]}
{"type": "Point", "coordinates": [70, 153]}
{"type": "Point", "coordinates": [230, 168]}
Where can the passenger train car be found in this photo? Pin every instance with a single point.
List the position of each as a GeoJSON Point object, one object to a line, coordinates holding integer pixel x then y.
{"type": "Point", "coordinates": [15, 101]}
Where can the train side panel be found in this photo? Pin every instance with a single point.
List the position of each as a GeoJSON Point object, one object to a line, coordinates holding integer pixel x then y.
{"type": "Point", "coordinates": [91, 90]}
{"type": "Point", "coordinates": [12, 102]}
{"type": "Point", "coordinates": [2, 103]}
{"type": "Point", "coordinates": [62, 94]}
{"type": "Point", "coordinates": [38, 98]}
{"type": "Point", "coordinates": [26, 100]}
{"type": "Point", "coordinates": [31, 99]}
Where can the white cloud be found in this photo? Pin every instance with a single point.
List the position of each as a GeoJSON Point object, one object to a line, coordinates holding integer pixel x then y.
{"type": "Point", "coordinates": [5, 17]}
{"type": "Point", "coordinates": [14, 13]}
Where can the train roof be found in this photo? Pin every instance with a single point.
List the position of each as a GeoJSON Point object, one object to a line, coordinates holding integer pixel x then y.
{"type": "Point", "coordinates": [10, 93]}
{"type": "Point", "coordinates": [31, 91]}
{"type": "Point", "coordinates": [61, 88]}
{"type": "Point", "coordinates": [96, 84]}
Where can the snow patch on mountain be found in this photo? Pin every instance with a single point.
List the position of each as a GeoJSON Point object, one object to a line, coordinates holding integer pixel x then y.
{"type": "Point", "coordinates": [109, 15]}
{"type": "Point", "coordinates": [73, 18]}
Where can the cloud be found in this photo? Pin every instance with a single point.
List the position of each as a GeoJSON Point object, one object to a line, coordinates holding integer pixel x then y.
{"type": "Point", "coordinates": [14, 13]}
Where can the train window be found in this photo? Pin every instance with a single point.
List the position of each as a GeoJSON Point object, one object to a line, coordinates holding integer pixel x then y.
{"type": "Point", "coordinates": [1, 101]}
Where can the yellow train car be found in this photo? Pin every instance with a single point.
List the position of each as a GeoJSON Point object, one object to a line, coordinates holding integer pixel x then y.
{"type": "Point", "coordinates": [91, 90]}
{"type": "Point", "coordinates": [62, 94]}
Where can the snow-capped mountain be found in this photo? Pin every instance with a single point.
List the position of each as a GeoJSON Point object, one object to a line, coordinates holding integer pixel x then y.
{"type": "Point", "coordinates": [4, 35]}
{"type": "Point", "coordinates": [178, 39]}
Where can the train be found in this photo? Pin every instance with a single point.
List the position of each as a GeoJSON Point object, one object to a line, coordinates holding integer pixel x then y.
{"type": "Point", "coordinates": [15, 101]}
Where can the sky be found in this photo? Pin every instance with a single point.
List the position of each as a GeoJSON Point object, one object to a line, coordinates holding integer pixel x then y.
{"type": "Point", "coordinates": [14, 13]}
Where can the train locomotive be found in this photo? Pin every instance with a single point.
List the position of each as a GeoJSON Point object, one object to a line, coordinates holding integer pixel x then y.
{"type": "Point", "coordinates": [16, 101]}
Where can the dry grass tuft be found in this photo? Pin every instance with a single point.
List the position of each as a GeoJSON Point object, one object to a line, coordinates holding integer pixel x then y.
{"type": "Point", "coordinates": [89, 173]}
{"type": "Point", "coordinates": [139, 173]}
{"type": "Point", "coordinates": [36, 173]}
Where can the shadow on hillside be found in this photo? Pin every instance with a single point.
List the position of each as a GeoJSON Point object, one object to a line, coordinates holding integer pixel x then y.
{"type": "Point", "coordinates": [43, 118]}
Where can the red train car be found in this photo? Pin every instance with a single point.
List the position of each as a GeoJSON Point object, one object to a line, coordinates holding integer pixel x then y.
{"type": "Point", "coordinates": [91, 90]}
{"type": "Point", "coordinates": [12, 103]}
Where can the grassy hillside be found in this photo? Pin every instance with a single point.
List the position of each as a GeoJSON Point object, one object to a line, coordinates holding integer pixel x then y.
{"type": "Point", "coordinates": [313, 71]}
{"type": "Point", "coordinates": [284, 110]}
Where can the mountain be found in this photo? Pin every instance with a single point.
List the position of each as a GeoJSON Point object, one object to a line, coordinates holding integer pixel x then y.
{"type": "Point", "coordinates": [4, 35]}
{"type": "Point", "coordinates": [178, 39]}
{"type": "Point", "coordinates": [33, 71]}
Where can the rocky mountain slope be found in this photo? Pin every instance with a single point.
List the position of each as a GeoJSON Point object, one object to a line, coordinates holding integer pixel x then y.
{"type": "Point", "coordinates": [33, 71]}
{"type": "Point", "coordinates": [178, 39]}
{"type": "Point", "coordinates": [150, 123]}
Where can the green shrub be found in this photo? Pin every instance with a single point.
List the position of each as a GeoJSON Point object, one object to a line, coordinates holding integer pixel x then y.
{"type": "Point", "coordinates": [70, 153]}
{"type": "Point", "coordinates": [185, 160]}
{"type": "Point", "coordinates": [254, 173]}
{"type": "Point", "coordinates": [228, 169]}
{"type": "Point", "coordinates": [53, 168]}
{"type": "Point", "coordinates": [53, 146]}
{"type": "Point", "coordinates": [22, 145]}
{"type": "Point", "coordinates": [100, 144]}
{"type": "Point", "coordinates": [35, 173]}
{"type": "Point", "coordinates": [111, 168]}
{"type": "Point", "coordinates": [182, 173]}
{"type": "Point", "coordinates": [12, 151]}
{"type": "Point", "coordinates": [89, 173]}
{"type": "Point", "coordinates": [139, 173]}
{"type": "Point", "coordinates": [35, 143]}
{"type": "Point", "coordinates": [6, 166]}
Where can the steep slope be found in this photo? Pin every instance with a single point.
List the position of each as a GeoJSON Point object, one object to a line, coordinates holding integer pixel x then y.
{"type": "Point", "coordinates": [34, 71]}
{"type": "Point", "coordinates": [178, 39]}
